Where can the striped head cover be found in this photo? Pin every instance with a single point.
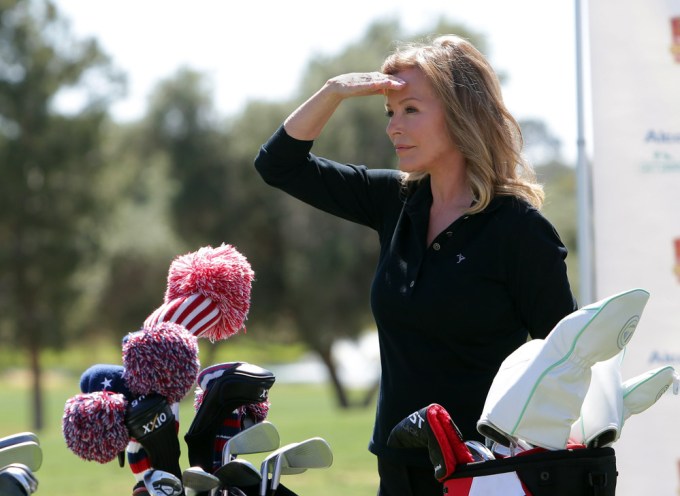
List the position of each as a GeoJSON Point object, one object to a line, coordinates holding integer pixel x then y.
{"type": "Point", "coordinates": [208, 293]}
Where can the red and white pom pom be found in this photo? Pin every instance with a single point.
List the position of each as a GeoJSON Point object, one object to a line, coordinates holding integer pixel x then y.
{"type": "Point", "coordinates": [93, 425]}
{"type": "Point", "coordinates": [198, 398]}
{"type": "Point", "coordinates": [256, 411]}
{"type": "Point", "coordinates": [208, 292]}
{"type": "Point", "coordinates": [162, 359]}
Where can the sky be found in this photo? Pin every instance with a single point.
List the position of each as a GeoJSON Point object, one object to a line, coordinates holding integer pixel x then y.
{"type": "Point", "coordinates": [259, 50]}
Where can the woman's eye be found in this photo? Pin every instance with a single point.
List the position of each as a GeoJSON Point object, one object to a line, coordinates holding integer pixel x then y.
{"type": "Point", "coordinates": [389, 113]}
{"type": "Point", "coordinates": [411, 110]}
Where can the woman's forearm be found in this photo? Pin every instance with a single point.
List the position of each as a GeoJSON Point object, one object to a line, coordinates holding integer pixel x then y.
{"type": "Point", "coordinates": [308, 120]}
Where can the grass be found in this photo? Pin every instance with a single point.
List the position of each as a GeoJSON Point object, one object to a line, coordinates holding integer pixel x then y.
{"type": "Point", "coordinates": [298, 411]}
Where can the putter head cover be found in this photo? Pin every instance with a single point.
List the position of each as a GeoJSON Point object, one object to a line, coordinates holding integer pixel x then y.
{"type": "Point", "coordinates": [538, 391]}
{"type": "Point", "coordinates": [432, 428]}
{"type": "Point", "coordinates": [208, 292]}
{"type": "Point", "coordinates": [600, 424]}
{"type": "Point", "coordinates": [150, 422]}
{"type": "Point", "coordinates": [162, 359]}
{"type": "Point", "coordinates": [225, 387]}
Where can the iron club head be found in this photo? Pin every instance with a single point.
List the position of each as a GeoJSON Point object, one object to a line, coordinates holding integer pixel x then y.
{"type": "Point", "coordinates": [298, 457]}
{"type": "Point", "coordinates": [258, 438]}
{"type": "Point", "coordinates": [199, 480]}
{"type": "Point", "coordinates": [238, 473]}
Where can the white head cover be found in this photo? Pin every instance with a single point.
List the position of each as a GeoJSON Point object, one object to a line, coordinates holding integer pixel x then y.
{"type": "Point", "coordinates": [602, 409]}
{"type": "Point", "coordinates": [601, 427]}
{"type": "Point", "coordinates": [539, 389]}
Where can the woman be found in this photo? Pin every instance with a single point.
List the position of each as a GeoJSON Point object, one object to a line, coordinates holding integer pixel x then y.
{"type": "Point", "coordinates": [468, 267]}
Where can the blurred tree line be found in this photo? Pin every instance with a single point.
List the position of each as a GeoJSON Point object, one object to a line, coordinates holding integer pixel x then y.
{"type": "Point", "coordinates": [93, 211]}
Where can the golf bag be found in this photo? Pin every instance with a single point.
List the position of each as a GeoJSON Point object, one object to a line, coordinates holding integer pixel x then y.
{"type": "Point", "coordinates": [538, 472]}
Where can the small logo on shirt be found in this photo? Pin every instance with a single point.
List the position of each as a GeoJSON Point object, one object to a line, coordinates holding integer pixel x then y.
{"type": "Point", "coordinates": [460, 258]}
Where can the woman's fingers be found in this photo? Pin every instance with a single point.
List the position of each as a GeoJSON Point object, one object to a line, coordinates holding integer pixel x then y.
{"type": "Point", "coordinates": [365, 83]}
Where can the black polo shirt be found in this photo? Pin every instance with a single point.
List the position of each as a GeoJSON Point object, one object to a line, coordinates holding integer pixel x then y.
{"type": "Point", "coordinates": [449, 313]}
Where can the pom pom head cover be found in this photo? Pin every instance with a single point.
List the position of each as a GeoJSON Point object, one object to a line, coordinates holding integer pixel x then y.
{"type": "Point", "coordinates": [208, 292]}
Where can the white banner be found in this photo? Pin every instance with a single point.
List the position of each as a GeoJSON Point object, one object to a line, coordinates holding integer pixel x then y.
{"type": "Point", "coordinates": [635, 70]}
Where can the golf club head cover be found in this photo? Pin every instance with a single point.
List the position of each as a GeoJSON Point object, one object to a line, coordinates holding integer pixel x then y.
{"type": "Point", "coordinates": [226, 387]}
{"type": "Point", "coordinates": [539, 389]}
{"type": "Point", "coordinates": [233, 423]}
{"type": "Point", "coordinates": [644, 390]}
{"type": "Point", "coordinates": [635, 396]}
{"type": "Point", "coordinates": [162, 359]}
{"type": "Point", "coordinates": [93, 425]}
{"type": "Point", "coordinates": [432, 428]}
{"type": "Point", "coordinates": [208, 292]}
{"type": "Point", "coordinates": [104, 377]}
{"type": "Point", "coordinates": [17, 480]}
{"type": "Point", "coordinates": [602, 408]}
{"type": "Point", "coordinates": [151, 422]}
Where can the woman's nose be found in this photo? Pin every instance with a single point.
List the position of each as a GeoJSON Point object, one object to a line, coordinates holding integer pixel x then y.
{"type": "Point", "coordinates": [393, 127]}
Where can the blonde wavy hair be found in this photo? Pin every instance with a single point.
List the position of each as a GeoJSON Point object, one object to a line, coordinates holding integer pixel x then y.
{"type": "Point", "coordinates": [481, 126]}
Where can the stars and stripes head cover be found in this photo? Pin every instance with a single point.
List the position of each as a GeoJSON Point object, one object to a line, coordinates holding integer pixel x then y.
{"type": "Point", "coordinates": [208, 292]}
{"type": "Point", "coordinates": [93, 421]}
{"type": "Point", "coordinates": [104, 377]}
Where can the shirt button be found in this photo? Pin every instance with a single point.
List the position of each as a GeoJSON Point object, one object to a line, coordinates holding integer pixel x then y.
{"type": "Point", "coordinates": [413, 283]}
{"type": "Point", "coordinates": [436, 246]}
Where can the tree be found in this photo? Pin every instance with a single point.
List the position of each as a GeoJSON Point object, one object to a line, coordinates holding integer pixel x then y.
{"type": "Point", "coordinates": [50, 160]}
{"type": "Point", "coordinates": [138, 241]}
{"type": "Point", "coordinates": [181, 122]}
{"type": "Point", "coordinates": [540, 145]}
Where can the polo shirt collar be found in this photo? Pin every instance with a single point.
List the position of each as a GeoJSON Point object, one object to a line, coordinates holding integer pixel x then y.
{"type": "Point", "coordinates": [420, 199]}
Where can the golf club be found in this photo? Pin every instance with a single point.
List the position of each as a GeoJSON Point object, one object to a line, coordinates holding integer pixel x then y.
{"type": "Point", "coordinates": [311, 453]}
{"type": "Point", "coordinates": [479, 451]}
{"type": "Point", "coordinates": [198, 480]}
{"type": "Point", "coordinates": [267, 464]}
{"type": "Point", "coordinates": [17, 479]}
{"type": "Point", "coordinates": [26, 453]}
{"type": "Point", "coordinates": [238, 473]}
{"type": "Point", "coordinates": [259, 438]}
{"type": "Point", "coordinates": [294, 458]}
{"type": "Point", "coordinates": [21, 437]}
{"type": "Point", "coordinates": [160, 483]}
